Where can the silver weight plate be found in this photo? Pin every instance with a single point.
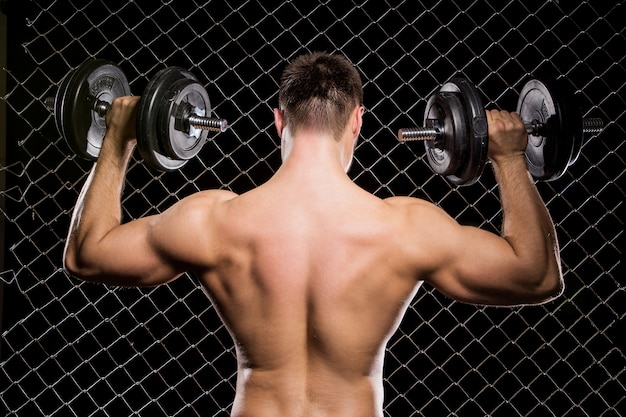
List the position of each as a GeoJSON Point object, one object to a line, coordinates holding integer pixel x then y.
{"type": "Point", "coordinates": [446, 154]}
{"type": "Point", "coordinates": [468, 137]}
{"type": "Point", "coordinates": [106, 83]}
{"type": "Point", "coordinates": [154, 101]}
{"type": "Point", "coordinates": [74, 105]}
{"type": "Point", "coordinates": [556, 145]}
{"type": "Point", "coordinates": [535, 103]}
{"type": "Point", "coordinates": [185, 141]}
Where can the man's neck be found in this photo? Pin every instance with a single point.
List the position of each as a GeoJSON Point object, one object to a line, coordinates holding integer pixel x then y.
{"type": "Point", "coordinates": [316, 151]}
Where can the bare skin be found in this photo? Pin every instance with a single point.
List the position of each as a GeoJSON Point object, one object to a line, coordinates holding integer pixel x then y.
{"type": "Point", "coordinates": [310, 273]}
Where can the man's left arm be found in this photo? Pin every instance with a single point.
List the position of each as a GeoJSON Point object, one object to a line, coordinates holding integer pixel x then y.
{"type": "Point", "coordinates": [99, 248]}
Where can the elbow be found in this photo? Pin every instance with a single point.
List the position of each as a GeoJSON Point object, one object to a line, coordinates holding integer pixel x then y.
{"type": "Point", "coordinates": [551, 289]}
{"type": "Point", "coordinates": [72, 266]}
{"type": "Point", "coordinates": [544, 287]}
{"type": "Point", "coordinates": [552, 284]}
{"type": "Point", "coordinates": [70, 263]}
{"type": "Point", "coordinates": [76, 265]}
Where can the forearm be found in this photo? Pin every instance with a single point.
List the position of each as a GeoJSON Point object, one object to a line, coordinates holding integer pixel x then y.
{"type": "Point", "coordinates": [98, 208]}
{"type": "Point", "coordinates": [528, 227]}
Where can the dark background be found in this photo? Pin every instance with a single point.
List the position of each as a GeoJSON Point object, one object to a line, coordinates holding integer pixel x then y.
{"type": "Point", "coordinates": [72, 348]}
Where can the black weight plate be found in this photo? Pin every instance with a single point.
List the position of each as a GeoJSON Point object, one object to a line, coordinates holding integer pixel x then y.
{"type": "Point", "coordinates": [155, 98]}
{"type": "Point", "coordinates": [572, 118]}
{"type": "Point", "coordinates": [549, 153]}
{"type": "Point", "coordinates": [81, 126]}
{"type": "Point", "coordinates": [446, 154]}
{"type": "Point", "coordinates": [70, 116]}
{"type": "Point", "coordinates": [60, 105]}
{"type": "Point", "coordinates": [477, 131]}
{"type": "Point", "coordinates": [176, 137]}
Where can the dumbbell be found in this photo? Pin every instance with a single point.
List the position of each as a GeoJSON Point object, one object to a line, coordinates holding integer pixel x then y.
{"type": "Point", "coordinates": [172, 117]}
{"type": "Point", "coordinates": [456, 138]}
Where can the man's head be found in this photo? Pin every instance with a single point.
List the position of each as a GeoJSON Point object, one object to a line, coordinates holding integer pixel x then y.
{"type": "Point", "coordinates": [319, 92]}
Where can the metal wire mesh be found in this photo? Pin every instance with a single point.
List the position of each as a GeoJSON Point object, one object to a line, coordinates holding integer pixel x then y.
{"type": "Point", "coordinates": [72, 348]}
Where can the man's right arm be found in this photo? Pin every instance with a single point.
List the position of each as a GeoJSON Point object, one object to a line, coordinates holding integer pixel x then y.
{"type": "Point", "coordinates": [522, 266]}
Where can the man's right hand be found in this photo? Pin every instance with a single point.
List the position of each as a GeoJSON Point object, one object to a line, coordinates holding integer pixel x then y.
{"type": "Point", "coordinates": [121, 121]}
{"type": "Point", "coordinates": [507, 135]}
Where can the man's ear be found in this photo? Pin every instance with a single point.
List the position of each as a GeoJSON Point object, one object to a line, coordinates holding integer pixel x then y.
{"type": "Point", "coordinates": [357, 120]}
{"type": "Point", "coordinates": [279, 121]}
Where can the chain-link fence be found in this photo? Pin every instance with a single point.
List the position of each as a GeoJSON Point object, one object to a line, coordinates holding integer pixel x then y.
{"type": "Point", "coordinates": [74, 348]}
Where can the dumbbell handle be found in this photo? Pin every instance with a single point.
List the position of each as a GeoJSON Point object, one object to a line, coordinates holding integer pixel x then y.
{"type": "Point", "coordinates": [592, 125]}
{"type": "Point", "coordinates": [100, 106]}
{"type": "Point", "coordinates": [199, 122]}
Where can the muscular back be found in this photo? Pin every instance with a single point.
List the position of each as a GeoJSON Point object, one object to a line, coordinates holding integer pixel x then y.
{"type": "Point", "coordinates": [308, 285]}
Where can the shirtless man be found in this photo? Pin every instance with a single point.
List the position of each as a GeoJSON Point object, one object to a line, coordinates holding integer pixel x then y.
{"type": "Point", "coordinates": [310, 273]}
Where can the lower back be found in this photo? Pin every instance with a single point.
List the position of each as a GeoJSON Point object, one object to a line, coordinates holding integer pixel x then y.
{"type": "Point", "coordinates": [287, 393]}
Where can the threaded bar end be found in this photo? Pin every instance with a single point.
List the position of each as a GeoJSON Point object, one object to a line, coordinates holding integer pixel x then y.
{"type": "Point", "coordinates": [593, 125]}
{"type": "Point", "coordinates": [208, 123]}
{"type": "Point", "coordinates": [418, 133]}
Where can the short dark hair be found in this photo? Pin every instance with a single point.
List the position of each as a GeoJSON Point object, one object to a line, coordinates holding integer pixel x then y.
{"type": "Point", "coordinates": [319, 91]}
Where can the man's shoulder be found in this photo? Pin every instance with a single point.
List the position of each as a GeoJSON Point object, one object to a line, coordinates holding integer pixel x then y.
{"type": "Point", "coordinates": [409, 202]}
{"type": "Point", "coordinates": [416, 209]}
{"type": "Point", "coordinates": [210, 196]}
{"type": "Point", "coordinates": [201, 203]}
